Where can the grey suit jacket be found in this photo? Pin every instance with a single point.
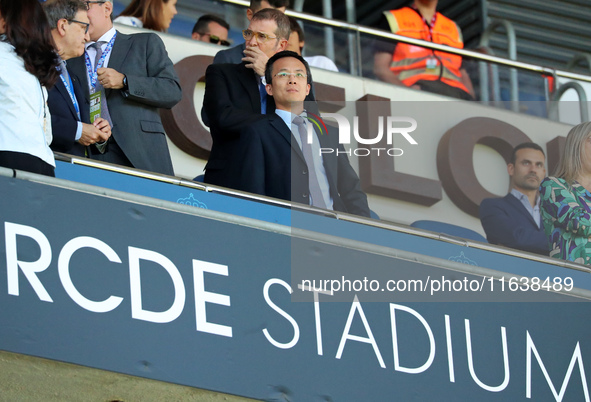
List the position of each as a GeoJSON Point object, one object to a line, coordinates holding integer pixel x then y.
{"type": "Point", "coordinates": [153, 83]}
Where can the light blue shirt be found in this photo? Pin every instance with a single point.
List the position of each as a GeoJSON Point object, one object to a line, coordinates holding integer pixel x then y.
{"type": "Point", "coordinates": [287, 117]}
{"type": "Point", "coordinates": [533, 211]}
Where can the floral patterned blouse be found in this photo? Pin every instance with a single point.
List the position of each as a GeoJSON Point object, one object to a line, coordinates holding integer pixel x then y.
{"type": "Point", "coordinates": [566, 212]}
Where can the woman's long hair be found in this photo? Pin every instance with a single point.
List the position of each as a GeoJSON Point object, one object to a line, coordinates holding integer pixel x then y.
{"type": "Point", "coordinates": [571, 163]}
{"type": "Point", "coordinates": [148, 11]}
{"type": "Point", "coordinates": [27, 29]}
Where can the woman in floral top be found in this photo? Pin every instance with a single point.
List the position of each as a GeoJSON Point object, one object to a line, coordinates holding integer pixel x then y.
{"type": "Point", "coordinates": [566, 199]}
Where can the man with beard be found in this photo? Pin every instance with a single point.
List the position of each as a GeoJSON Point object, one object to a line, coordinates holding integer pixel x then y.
{"type": "Point", "coordinates": [514, 220]}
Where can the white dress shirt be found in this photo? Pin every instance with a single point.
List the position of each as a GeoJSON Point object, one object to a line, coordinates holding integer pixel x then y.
{"type": "Point", "coordinates": [322, 62]}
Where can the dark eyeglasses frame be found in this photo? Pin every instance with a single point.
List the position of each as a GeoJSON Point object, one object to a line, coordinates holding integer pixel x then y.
{"type": "Point", "coordinates": [85, 24]}
{"type": "Point", "coordinates": [89, 2]}
{"type": "Point", "coordinates": [215, 39]}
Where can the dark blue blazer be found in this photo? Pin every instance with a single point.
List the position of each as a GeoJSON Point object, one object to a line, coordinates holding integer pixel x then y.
{"type": "Point", "coordinates": [232, 55]}
{"type": "Point", "coordinates": [271, 163]}
{"type": "Point", "coordinates": [231, 102]}
{"type": "Point", "coordinates": [507, 222]}
{"type": "Point", "coordinates": [64, 120]}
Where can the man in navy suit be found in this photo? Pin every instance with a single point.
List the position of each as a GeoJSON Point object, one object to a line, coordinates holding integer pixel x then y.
{"type": "Point", "coordinates": [514, 220]}
{"type": "Point", "coordinates": [280, 159]}
{"type": "Point", "coordinates": [235, 94]}
{"type": "Point", "coordinates": [70, 115]}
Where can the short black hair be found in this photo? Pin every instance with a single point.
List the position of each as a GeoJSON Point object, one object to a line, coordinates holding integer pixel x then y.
{"type": "Point", "coordinates": [280, 55]}
{"type": "Point", "coordinates": [525, 145]}
{"type": "Point", "coordinates": [256, 4]}
{"type": "Point", "coordinates": [295, 27]}
{"type": "Point", "coordinates": [202, 24]}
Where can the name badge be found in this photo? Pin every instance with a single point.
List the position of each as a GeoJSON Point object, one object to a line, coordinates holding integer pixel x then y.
{"type": "Point", "coordinates": [431, 64]}
{"type": "Point", "coordinates": [95, 113]}
{"type": "Point", "coordinates": [95, 105]}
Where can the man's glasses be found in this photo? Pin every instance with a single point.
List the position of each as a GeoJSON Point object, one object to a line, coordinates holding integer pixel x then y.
{"type": "Point", "coordinates": [261, 37]}
{"type": "Point", "coordinates": [84, 24]}
{"type": "Point", "coordinates": [285, 76]}
{"type": "Point", "coordinates": [216, 39]}
{"type": "Point", "coordinates": [88, 3]}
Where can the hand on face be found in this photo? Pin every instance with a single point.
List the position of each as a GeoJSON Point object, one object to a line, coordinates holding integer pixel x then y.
{"type": "Point", "coordinates": [267, 46]}
{"type": "Point", "coordinates": [255, 59]}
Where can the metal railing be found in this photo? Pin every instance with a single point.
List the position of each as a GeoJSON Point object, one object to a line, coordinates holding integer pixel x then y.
{"type": "Point", "coordinates": [387, 225]}
{"type": "Point", "coordinates": [553, 107]}
{"type": "Point", "coordinates": [360, 29]}
{"type": "Point", "coordinates": [512, 50]}
{"type": "Point", "coordinates": [586, 57]}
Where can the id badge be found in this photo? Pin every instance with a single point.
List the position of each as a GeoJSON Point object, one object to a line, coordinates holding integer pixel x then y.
{"type": "Point", "coordinates": [431, 64]}
{"type": "Point", "coordinates": [95, 105]}
{"type": "Point", "coordinates": [95, 113]}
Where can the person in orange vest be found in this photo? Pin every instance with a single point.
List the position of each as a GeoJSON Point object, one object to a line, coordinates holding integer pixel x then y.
{"type": "Point", "coordinates": [418, 67]}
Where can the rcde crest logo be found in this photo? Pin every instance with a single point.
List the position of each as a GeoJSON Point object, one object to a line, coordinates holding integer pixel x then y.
{"type": "Point", "coordinates": [462, 259]}
{"type": "Point", "coordinates": [190, 200]}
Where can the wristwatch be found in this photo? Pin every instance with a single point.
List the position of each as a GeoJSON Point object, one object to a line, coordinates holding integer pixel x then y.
{"type": "Point", "coordinates": [125, 86]}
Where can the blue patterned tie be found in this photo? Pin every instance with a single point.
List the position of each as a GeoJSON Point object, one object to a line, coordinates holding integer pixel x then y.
{"type": "Point", "coordinates": [263, 93]}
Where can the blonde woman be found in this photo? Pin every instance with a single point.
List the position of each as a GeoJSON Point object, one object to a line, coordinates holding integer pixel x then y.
{"type": "Point", "coordinates": [566, 199]}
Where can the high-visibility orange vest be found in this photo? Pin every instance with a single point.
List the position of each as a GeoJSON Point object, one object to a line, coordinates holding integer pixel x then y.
{"type": "Point", "coordinates": [413, 63]}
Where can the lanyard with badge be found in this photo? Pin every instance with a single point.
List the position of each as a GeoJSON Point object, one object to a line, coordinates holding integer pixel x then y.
{"type": "Point", "coordinates": [431, 61]}
{"type": "Point", "coordinates": [97, 96]}
{"type": "Point", "coordinates": [70, 89]}
{"type": "Point", "coordinates": [431, 64]}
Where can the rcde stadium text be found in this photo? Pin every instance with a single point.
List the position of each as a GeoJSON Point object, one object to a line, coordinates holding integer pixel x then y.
{"type": "Point", "coordinates": [31, 269]}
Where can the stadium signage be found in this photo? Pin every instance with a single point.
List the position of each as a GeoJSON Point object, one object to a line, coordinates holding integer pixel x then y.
{"type": "Point", "coordinates": [418, 341]}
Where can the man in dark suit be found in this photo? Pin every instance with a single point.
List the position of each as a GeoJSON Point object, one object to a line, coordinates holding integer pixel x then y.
{"type": "Point", "coordinates": [133, 77]}
{"type": "Point", "coordinates": [514, 220]}
{"type": "Point", "coordinates": [69, 111]}
{"type": "Point", "coordinates": [235, 94]}
{"type": "Point", "coordinates": [235, 54]}
{"type": "Point", "coordinates": [319, 172]}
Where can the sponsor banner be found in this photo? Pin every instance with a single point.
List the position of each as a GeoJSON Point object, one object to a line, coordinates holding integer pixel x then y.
{"type": "Point", "coordinates": [194, 297]}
